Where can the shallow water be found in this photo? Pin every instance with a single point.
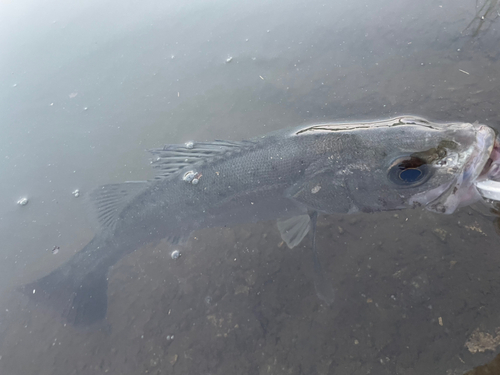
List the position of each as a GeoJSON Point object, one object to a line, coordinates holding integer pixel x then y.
{"type": "Point", "coordinates": [87, 88]}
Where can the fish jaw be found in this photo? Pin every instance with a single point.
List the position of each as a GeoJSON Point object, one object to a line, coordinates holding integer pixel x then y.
{"type": "Point", "coordinates": [491, 170]}
{"type": "Point", "coordinates": [462, 191]}
{"type": "Point", "coordinates": [488, 184]}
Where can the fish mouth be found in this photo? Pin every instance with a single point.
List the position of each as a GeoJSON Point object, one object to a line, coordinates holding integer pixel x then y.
{"type": "Point", "coordinates": [488, 184]}
{"type": "Point", "coordinates": [491, 169]}
{"type": "Point", "coordinates": [483, 163]}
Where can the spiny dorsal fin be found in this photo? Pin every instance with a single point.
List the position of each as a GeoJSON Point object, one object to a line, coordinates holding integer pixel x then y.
{"type": "Point", "coordinates": [172, 158]}
{"type": "Point", "coordinates": [109, 200]}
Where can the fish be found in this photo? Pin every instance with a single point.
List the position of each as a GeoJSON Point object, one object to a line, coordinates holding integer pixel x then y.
{"type": "Point", "coordinates": [290, 176]}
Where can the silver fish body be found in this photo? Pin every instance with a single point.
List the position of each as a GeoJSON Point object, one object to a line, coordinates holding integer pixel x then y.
{"type": "Point", "coordinates": [394, 164]}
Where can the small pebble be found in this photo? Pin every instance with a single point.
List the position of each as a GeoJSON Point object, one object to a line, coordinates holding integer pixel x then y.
{"type": "Point", "coordinates": [176, 254]}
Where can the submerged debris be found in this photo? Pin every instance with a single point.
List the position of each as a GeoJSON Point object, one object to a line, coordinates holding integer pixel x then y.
{"type": "Point", "coordinates": [482, 341]}
{"type": "Point", "coordinates": [490, 368]}
{"type": "Point", "coordinates": [441, 234]}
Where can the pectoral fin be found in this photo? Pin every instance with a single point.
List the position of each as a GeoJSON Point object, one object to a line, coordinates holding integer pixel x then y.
{"type": "Point", "coordinates": [294, 229]}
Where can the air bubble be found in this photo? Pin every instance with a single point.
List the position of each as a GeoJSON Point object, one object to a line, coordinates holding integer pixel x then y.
{"type": "Point", "coordinates": [188, 176]}
{"type": "Point", "coordinates": [76, 193]}
{"type": "Point", "coordinates": [189, 144]}
{"type": "Point", "coordinates": [192, 177]}
{"type": "Point", "coordinates": [176, 254]}
{"type": "Point", "coordinates": [22, 201]}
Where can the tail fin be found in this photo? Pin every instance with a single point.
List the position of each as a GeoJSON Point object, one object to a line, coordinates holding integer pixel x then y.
{"type": "Point", "coordinates": [80, 302]}
{"type": "Point", "coordinates": [77, 289]}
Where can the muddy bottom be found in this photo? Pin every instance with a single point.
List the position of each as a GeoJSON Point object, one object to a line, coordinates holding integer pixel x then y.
{"type": "Point", "coordinates": [416, 293]}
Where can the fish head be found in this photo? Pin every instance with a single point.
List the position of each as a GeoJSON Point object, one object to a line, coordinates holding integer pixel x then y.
{"type": "Point", "coordinates": [441, 175]}
{"type": "Point", "coordinates": [404, 162]}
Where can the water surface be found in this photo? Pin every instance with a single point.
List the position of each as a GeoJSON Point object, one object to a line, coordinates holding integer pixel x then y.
{"type": "Point", "coordinates": [87, 88]}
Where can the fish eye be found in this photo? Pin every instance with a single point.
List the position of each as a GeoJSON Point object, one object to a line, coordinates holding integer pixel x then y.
{"type": "Point", "coordinates": [409, 171]}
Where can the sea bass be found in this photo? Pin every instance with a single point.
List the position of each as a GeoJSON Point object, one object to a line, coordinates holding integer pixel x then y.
{"type": "Point", "coordinates": [289, 175]}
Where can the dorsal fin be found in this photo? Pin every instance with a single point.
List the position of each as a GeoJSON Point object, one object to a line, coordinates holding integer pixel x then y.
{"type": "Point", "coordinates": [109, 201]}
{"type": "Point", "coordinates": [172, 158]}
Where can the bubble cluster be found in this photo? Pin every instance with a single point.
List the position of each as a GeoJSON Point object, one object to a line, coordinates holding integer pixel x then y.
{"type": "Point", "coordinates": [192, 177]}
{"type": "Point", "coordinates": [189, 176]}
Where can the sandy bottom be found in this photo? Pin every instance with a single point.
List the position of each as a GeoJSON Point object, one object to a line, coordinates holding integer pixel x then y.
{"type": "Point", "coordinates": [238, 301]}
